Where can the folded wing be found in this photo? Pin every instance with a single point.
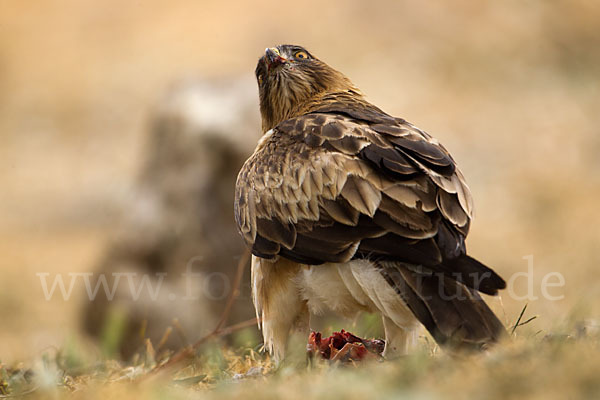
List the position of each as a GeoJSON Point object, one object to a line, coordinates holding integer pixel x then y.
{"type": "Point", "coordinates": [335, 185]}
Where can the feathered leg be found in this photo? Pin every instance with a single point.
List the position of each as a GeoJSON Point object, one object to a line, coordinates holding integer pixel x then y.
{"type": "Point", "coordinates": [398, 341]}
{"type": "Point", "coordinates": [370, 287]}
{"type": "Point", "coordinates": [278, 302]}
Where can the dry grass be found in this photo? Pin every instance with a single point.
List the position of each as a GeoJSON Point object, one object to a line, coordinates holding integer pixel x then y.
{"type": "Point", "coordinates": [531, 364]}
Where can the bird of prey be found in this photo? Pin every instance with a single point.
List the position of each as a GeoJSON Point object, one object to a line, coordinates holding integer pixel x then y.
{"type": "Point", "coordinates": [348, 208]}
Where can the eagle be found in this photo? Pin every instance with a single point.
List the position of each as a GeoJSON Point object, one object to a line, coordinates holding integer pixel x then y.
{"type": "Point", "coordinates": [349, 209]}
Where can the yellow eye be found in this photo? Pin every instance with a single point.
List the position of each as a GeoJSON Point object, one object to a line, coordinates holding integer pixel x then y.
{"type": "Point", "coordinates": [301, 55]}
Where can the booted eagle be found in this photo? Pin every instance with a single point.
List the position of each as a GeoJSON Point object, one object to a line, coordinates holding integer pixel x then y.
{"type": "Point", "coordinates": [350, 209]}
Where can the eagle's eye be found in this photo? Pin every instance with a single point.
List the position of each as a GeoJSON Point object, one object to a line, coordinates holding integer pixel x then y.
{"type": "Point", "coordinates": [301, 55]}
{"type": "Point", "coordinates": [260, 79]}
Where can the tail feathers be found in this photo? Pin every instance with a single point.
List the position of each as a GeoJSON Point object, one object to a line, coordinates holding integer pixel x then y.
{"type": "Point", "coordinates": [473, 274]}
{"type": "Point", "coordinates": [454, 314]}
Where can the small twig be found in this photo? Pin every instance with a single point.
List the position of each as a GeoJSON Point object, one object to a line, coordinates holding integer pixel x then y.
{"type": "Point", "coordinates": [235, 289]}
{"type": "Point", "coordinates": [227, 331]}
{"type": "Point", "coordinates": [188, 351]}
{"type": "Point", "coordinates": [519, 323]}
{"type": "Point", "coordinates": [518, 320]}
{"type": "Point", "coordinates": [13, 395]}
{"type": "Point", "coordinates": [528, 321]}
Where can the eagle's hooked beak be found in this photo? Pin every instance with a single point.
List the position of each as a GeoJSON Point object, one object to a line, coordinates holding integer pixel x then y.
{"type": "Point", "coordinates": [273, 58]}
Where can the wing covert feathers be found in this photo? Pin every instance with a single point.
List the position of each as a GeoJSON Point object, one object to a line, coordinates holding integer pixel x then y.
{"type": "Point", "coordinates": [344, 182]}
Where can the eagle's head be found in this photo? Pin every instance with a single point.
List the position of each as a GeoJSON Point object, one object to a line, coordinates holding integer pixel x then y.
{"type": "Point", "coordinates": [289, 78]}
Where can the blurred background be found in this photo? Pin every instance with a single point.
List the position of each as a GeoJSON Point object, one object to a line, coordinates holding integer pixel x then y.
{"type": "Point", "coordinates": [123, 124]}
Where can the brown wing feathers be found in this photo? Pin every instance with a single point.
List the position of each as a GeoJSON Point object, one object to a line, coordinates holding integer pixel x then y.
{"type": "Point", "coordinates": [358, 187]}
